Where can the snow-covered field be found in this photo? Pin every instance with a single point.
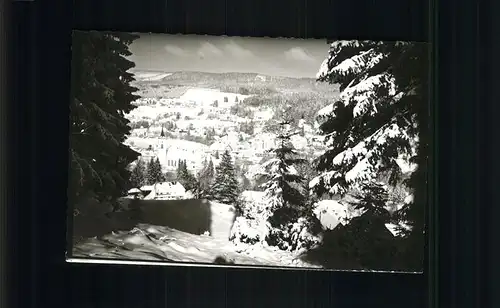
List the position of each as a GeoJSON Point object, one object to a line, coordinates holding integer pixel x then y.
{"type": "Point", "coordinates": [210, 95]}
{"type": "Point", "coordinates": [143, 76]}
{"type": "Point", "coordinates": [152, 111]}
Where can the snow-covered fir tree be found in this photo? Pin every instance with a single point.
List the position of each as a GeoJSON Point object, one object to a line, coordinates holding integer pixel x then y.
{"type": "Point", "coordinates": [186, 178]}
{"type": "Point", "coordinates": [138, 176]}
{"type": "Point", "coordinates": [286, 204]}
{"type": "Point", "coordinates": [307, 170]}
{"type": "Point", "coordinates": [378, 126]}
{"type": "Point", "coordinates": [101, 95]}
{"type": "Point", "coordinates": [206, 177]}
{"type": "Point", "coordinates": [153, 172]}
{"type": "Point", "coordinates": [372, 198]}
{"type": "Point", "coordinates": [365, 242]}
{"type": "Point", "coordinates": [282, 179]}
{"type": "Point", "coordinates": [225, 188]}
{"type": "Point", "coordinates": [181, 165]}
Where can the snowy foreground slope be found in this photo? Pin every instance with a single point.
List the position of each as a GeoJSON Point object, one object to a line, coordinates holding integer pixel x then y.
{"type": "Point", "coordinates": [155, 243]}
{"type": "Point", "coordinates": [149, 242]}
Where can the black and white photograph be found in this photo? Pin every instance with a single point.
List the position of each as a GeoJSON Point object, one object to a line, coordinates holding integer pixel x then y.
{"type": "Point", "coordinates": [248, 152]}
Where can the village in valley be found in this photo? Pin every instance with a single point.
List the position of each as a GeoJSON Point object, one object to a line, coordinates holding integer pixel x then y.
{"type": "Point", "coordinates": [217, 155]}
{"type": "Point", "coordinates": [195, 126]}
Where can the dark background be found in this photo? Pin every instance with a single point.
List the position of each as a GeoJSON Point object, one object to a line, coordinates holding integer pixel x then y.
{"type": "Point", "coordinates": [33, 201]}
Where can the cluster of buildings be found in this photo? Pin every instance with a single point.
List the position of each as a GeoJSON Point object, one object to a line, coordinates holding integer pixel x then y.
{"type": "Point", "coordinates": [160, 191]}
{"type": "Point", "coordinates": [200, 113]}
{"type": "Point", "coordinates": [170, 151]}
{"type": "Point", "coordinates": [212, 98]}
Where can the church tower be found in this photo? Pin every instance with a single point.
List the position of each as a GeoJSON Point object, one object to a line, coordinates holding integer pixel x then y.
{"type": "Point", "coordinates": [161, 140]}
{"type": "Point", "coordinates": [162, 149]}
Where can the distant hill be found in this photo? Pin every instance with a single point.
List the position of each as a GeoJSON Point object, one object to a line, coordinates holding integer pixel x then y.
{"type": "Point", "coordinates": [230, 76]}
{"type": "Point", "coordinates": [232, 80]}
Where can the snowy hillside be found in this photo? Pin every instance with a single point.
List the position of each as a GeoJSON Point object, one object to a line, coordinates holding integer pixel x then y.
{"type": "Point", "coordinates": [147, 242]}
{"type": "Point", "coordinates": [211, 95]}
{"type": "Point", "coordinates": [151, 242]}
{"type": "Point", "coordinates": [150, 76]}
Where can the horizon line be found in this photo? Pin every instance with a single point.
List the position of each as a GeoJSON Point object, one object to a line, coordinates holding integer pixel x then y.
{"type": "Point", "coordinates": [228, 72]}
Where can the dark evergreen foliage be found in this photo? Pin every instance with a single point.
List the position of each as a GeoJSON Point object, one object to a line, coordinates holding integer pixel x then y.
{"type": "Point", "coordinates": [186, 178]}
{"type": "Point", "coordinates": [372, 199]}
{"type": "Point", "coordinates": [381, 117]}
{"type": "Point", "coordinates": [225, 188]}
{"type": "Point", "coordinates": [287, 204]}
{"type": "Point", "coordinates": [154, 172]}
{"type": "Point", "coordinates": [282, 186]}
{"type": "Point", "coordinates": [206, 178]}
{"type": "Point", "coordinates": [100, 96]}
{"type": "Point", "coordinates": [138, 177]}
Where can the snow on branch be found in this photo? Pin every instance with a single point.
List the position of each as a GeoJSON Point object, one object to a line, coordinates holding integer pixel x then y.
{"type": "Point", "coordinates": [335, 47]}
{"type": "Point", "coordinates": [357, 64]}
{"type": "Point", "coordinates": [369, 85]}
{"type": "Point", "coordinates": [323, 70]}
{"type": "Point", "coordinates": [363, 160]}
{"type": "Point", "coordinates": [365, 94]}
{"type": "Point", "coordinates": [371, 92]}
{"type": "Point", "coordinates": [327, 111]}
{"type": "Point", "coordinates": [345, 43]}
{"type": "Point", "coordinates": [326, 178]}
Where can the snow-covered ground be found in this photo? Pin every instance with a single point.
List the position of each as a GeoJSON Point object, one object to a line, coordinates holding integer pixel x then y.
{"type": "Point", "coordinates": [143, 76]}
{"type": "Point", "coordinates": [152, 112]}
{"type": "Point", "coordinates": [156, 243]}
{"type": "Point", "coordinates": [331, 213]}
{"type": "Point", "coordinates": [148, 242]}
{"type": "Point", "coordinates": [205, 96]}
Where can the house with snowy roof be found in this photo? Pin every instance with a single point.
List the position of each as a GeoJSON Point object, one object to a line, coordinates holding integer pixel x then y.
{"type": "Point", "coordinates": [220, 146]}
{"type": "Point", "coordinates": [263, 142]}
{"type": "Point", "coordinates": [263, 115]}
{"type": "Point", "coordinates": [230, 141]}
{"type": "Point", "coordinates": [146, 189]}
{"type": "Point", "coordinates": [135, 193]}
{"type": "Point", "coordinates": [260, 78]}
{"type": "Point", "coordinates": [169, 191]}
{"type": "Point", "coordinates": [171, 151]}
{"type": "Point", "coordinates": [207, 97]}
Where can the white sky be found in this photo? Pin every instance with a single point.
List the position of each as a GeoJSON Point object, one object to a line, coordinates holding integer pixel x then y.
{"type": "Point", "coordinates": [218, 54]}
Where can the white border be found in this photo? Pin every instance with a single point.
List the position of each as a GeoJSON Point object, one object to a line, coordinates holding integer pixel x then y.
{"type": "Point", "coordinates": [157, 263]}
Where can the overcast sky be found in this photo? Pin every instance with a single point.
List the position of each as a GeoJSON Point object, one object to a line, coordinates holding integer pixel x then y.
{"type": "Point", "coordinates": [217, 54]}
